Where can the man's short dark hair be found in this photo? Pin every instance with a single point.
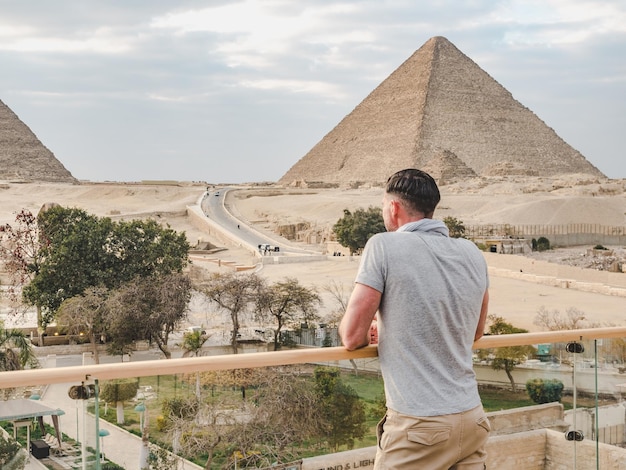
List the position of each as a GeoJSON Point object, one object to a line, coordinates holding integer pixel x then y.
{"type": "Point", "coordinates": [416, 188]}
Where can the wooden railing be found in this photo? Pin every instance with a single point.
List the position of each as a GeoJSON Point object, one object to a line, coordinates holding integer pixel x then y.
{"type": "Point", "coordinates": [32, 377]}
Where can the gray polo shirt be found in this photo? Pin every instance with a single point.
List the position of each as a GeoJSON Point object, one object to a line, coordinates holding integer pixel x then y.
{"type": "Point", "coordinates": [432, 290]}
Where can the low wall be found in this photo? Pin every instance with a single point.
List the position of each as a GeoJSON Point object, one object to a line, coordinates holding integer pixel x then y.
{"type": "Point", "coordinates": [528, 418]}
{"type": "Point", "coordinates": [197, 218]}
{"type": "Point", "coordinates": [562, 454]}
{"type": "Point", "coordinates": [278, 259]}
{"type": "Point", "coordinates": [558, 275]}
{"type": "Point", "coordinates": [608, 379]}
{"type": "Point", "coordinates": [527, 448]}
{"type": "Point", "coordinates": [611, 419]}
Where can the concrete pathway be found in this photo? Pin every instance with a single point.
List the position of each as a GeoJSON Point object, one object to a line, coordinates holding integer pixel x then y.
{"type": "Point", "coordinates": [119, 446]}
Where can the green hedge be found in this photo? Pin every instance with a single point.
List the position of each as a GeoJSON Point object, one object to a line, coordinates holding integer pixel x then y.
{"type": "Point", "coordinates": [544, 391]}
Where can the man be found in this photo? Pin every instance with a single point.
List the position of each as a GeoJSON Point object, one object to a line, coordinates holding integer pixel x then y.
{"type": "Point", "coordinates": [430, 292]}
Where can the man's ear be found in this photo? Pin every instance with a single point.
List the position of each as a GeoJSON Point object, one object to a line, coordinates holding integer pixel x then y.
{"type": "Point", "coordinates": [395, 208]}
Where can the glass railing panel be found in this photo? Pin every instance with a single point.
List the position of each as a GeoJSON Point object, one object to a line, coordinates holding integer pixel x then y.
{"type": "Point", "coordinates": [592, 398]}
{"type": "Point", "coordinates": [588, 378]}
{"type": "Point", "coordinates": [247, 418]}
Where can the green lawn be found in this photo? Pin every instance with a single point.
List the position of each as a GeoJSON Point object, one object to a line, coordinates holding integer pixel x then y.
{"type": "Point", "coordinates": [369, 387]}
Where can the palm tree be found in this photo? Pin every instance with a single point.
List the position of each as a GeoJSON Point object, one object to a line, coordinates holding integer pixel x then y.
{"type": "Point", "coordinates": [16, 351]}
{"type": "Point", "coordinates": [192, 345]}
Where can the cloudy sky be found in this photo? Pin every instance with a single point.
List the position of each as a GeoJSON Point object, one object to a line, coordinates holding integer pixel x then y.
{"type": "Point", "coordinates": [239, 91]}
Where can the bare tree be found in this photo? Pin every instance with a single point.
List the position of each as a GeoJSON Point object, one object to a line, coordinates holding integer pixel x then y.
{"type": "Point", "coordinates": [287, 302]}
{"type": "Point", "coordinates": [20, 251]}
{"type": "Point", "coordinates": [209, 425]}
{"type": "Point", "coordinates": [148, 309]}
{"type": "Point", "coordinates": [341, 296]}
{"type": "Point", "coordinates": [85, 314]}
{"type": "Point", "coordinates": [233, 293]}
{"type": "Point", "coordinates": [554, 320]}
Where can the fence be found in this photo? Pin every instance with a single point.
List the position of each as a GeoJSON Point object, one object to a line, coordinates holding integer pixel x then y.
{"type": "Point", "coordinates": [561, 235]}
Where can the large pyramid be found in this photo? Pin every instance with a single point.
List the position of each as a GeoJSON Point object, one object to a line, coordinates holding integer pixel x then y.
{"type": "Point", "coordinates": [22, 155]}
{"type": "Point", "coordinates": [438, 108]}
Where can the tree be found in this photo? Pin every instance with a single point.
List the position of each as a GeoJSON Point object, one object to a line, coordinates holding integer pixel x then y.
{"type": "Point", "coordinates": [455, 227]}
{"type": "Point", "coordinates": [340, 296]}
{"type": "Point", "coordinates": [86, 313]}
{"type": "Point", "coordinates": [202, 430]}
{"type": "Point", "coordinates": [508, 357]}
{"type": "Point", "coordinates": [233, 293]}
{"type": "Point", "coordinates": [285, 412]}
{"type": "Point", "coordinates": [354, 229]}
{"type": "Point", "coordinates": [79, 250]}
{"type": "Point", "coordinates": [154, 306]}
{"type": "Point", "coordinates": [73, 258]}
{"type": "Point", "coordinates": [287, 302]}
{"type": "Point", "coordinates": [540, 244]}
{"type": "Point", "coordinates": [240, 378]}
{"type": "Point", "coordinates": [20, 251]}
{"type": "Point", "coordinates": [118, 391]}
{"type": "Point", "coordinates": [344, 413]}
{"type": "Point", "coordinates": [192, 345]}
{"type": "Point", "coordinates": [16, 352]}
{"type": "Point", "coordinates": [573, 319]}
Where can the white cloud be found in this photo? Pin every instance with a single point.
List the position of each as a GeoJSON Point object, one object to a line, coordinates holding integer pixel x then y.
{"type": "Point", "coordinates": [557, 22]}
{"type": "Point", "coordinates": [325, 89]}
{"type": "Point", "coordinates": [256, 33]}
{"type": "Point", "coordinates": [11, 30]}
{"type": "Point", "coordinates": [102, 40]}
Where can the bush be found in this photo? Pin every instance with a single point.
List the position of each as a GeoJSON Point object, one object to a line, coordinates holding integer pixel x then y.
{"type": "Point", "coordinates": [543, 244]}
{"type": "Point", "coordinates": [111, 466]}
{"type": "Point", "coordinates": [544, 391]}
{"type": "Point", "coordinates": [161, 423]}
{"type": "Point", "coordinates": [11, 456]}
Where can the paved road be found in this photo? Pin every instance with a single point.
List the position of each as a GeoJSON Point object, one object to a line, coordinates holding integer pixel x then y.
{"type": "Point", "coordinates": [215, 207]}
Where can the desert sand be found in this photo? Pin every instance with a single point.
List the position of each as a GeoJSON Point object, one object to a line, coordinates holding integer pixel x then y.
{"type": "Point", "coordinates": [517, 299]}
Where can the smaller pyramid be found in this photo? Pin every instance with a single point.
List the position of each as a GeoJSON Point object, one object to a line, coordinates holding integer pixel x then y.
{"type": "Point", "coordinates": [445, 167]}
{"type": "Point", "coordinates": [22, 155]}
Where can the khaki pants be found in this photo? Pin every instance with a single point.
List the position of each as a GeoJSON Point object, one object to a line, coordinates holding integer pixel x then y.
{"type": "Point", "coordinates": [448, 442]}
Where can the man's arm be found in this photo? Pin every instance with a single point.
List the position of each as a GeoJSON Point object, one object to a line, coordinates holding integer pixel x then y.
{"type": "Point", "coordinates": [480, 328]}
{"type": "Point", "coordinates": [355, 324]}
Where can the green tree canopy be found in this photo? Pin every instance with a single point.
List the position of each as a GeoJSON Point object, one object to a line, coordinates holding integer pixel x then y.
{"type": "Point", "coordinates": [354, 229]}
{"type": "Point", "coordinates": [79, 250]}
{"type": "Point", "coordinates": [117, 392]}
{"type": "Point", "coordinates": [508, 357]}
{"type": "Point", "coordinates": [344, 413]}
{"type": "Point", "coordinates": [455, 227]}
